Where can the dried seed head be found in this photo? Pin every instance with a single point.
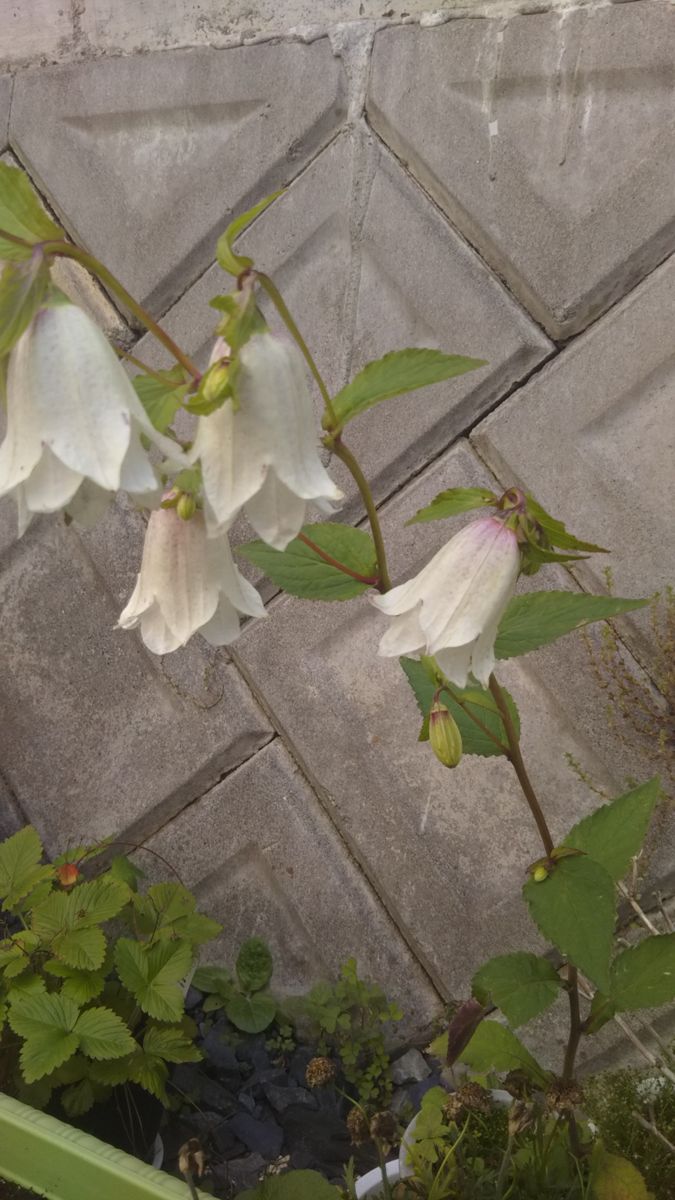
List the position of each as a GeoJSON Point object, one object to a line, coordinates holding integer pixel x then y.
{"type": "Point", "coordinates": [384, 1128]}
{"type": "Point", "coordinates": [563, 1097]}
{"type": "Point", "coordinates": [521, 1117]}
{"type": "Point", "coordinates": [357, 1124]}
{"type": "Point", "coordinates": [191, 1158]}
{"type": "Point", "coordinates": [320, 1071]}
{"type": "Point", "coordinates": [475, 1098]}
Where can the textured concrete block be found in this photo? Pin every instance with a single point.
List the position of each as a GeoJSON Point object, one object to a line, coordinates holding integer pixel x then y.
{"type": "Point", "coordinates": [367, 265]}
{"type": "Point", "coordinates": [10, 817]}
{"type": "Point", "coordinates": [265, 860]}
{"type": "Point", "coordinates": [34, 31]}
{"type": "Point", "coordinates": [6, 85]}
{"type": "Point", "coordinates": [593, 435]}
{"type": "Point", "coordinates": [548, 138]}
{"type": "Point", "coordinates": [147, 159]}
{"type": "Point", "coordinates": [443, 848]}
{"type": "Point", "coordinates": [95, 734]}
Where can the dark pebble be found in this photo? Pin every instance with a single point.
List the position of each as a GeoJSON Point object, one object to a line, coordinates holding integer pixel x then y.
{"type": "Point", "coordinates": [265, 1137]}
{"type": "Point", "coordinates": [282, 1098]}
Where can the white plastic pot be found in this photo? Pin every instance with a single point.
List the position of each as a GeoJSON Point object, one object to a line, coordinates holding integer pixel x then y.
{"type": "Point", "coordinates": [371, 1184]}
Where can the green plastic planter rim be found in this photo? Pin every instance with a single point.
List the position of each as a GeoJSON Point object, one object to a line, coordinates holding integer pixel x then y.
{"type": "Point", "coordinates": [57, 1161]}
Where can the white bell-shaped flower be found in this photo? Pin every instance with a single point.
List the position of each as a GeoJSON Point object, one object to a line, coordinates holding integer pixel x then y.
{"type": "Point", "coordinates": [452, 609]}
{"type": "Point", "coordinates": [73, 421]}
{"type": "Point", "coordinates": [188, 583]}
{"type": "Point", "coordinates": [263, 456]}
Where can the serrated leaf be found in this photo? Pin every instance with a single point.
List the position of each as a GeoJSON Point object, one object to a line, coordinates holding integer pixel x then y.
{"type": "Point", "coordinates": [452, 502]}
{"type": "Point", "coordinates": [615, 1178]}
{"type": "Point", "coordinates": [479, 701]}
{"type": "Point", "coordinates": [228, 260]}
{"type": "Point", "coordinates": [78, 1098]}
{"type": "Point", "coordinates": [493, 1047]}
{"type": "Point", "coordinates": [161, 395]}
{"type": "Point", "coordinates": [300, 571]}
{"type": "Point", "coordinates": [22, 289]}
{"type": "Point", "coordinates": [522, 985]}
{"type": "Point", "coordinates": [251, 1014]}
{"type": "Point", "coordinates": [398, 372]}
{"type": "Point", "coordinates": [538, 618]}
{"type": "Point", "coordinates": [168, 911]}
{"type": "Point", "coordinates": [20, 869]}
{"type": "Point", "coordinates": [150, 1073]}
{"type": "Point", "coordinates": [556, 532]}
{"type": "Point", "coordinates": [171, 1044]}
{"type": "Point", "coordinates": [25, 985]}
{"type": "Point", "coordinates": [574, 907]}
{"type": "Point", "coordinates": [154, 975]}
{"type": "Point", "coordinates": [103, 1034]}
{"type": "Point", "coordinates": [22, 215]}
{"type": "Point", "coordinates": [83, 949]}
{"type": "Point", "coordinates": [46, 1022]}
{"type": "Point", "coordinates": [254, 965]}
{"type": "Point", "coordinates": [614, 833]}
{"type": "Point", "coordinates": [643, 976]}
{"type": "Point", "coordinates": [112, 1072]}
{"type": "Point", "coordinates": [296, 1185]}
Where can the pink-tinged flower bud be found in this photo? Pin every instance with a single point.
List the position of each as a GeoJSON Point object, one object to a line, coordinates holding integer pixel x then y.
{"type": "Point", "coordinates": [444, 736]}
{"type": "Point", "coordinates": [453, 607]}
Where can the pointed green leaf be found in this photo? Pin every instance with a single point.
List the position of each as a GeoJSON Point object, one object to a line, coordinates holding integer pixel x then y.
{"type": "Point", "coordinates": [556, 532]}
{"type": "Point", "coordinates": [25, 985]}
{"type": "Point", "coordinates": [398, 372]}
{"type": "Point", "coordinates": [480, 702]}
{"type": "Point", "coordinates": [300, 571]}
{"type": "Point", "coordinates": [452, 502]}
{"type": "Point", "coordinates": [103, 1034]}
{"type": "Point", "coordinates": [493, 1047]}
{"type": "Point", "coordinates": [574, 907]}
{"type": "Point", "coordinates": [601, 1011]}
{"type": "Point", "coordinates": [83, 949]}
{"type": "Point", "coordinates": [228, 260]}
{"type": "Point", "coordinates": [46, 1022]}
{"type": "Point", "coordinates": [154, 976]}
{"type": "Point", "coordinates": [22, 215]}
{"type": "Point", "coordinates": [20, 869]}
{"type": "Point", "coordinates": [110, 1072]}
{"type": "Point", "coordinates": [171, 1044]}
{"type": "Point", "coordinates": [522, 985]}
{"type": "Point", "coordinates": [22, 289]}
{"type": "Point", "coordinates": [213, 979]}
{"type": "Point", "coordinates": [168, 911]}
{"type": "Point", "coordinates": [161, 395]}
{"type": "Point", "coordinates": [614, 833]}
{"type": "Point", "coordinates": [251, 1014]}
{"type": "Point", "coordinates": [124, 871]}
{"type": "Point", "coordinates": [644, 975]}
{"type": "Point", "coordinates": [254, 965]}
{"type": "Point", "coordinates": [537, 618]}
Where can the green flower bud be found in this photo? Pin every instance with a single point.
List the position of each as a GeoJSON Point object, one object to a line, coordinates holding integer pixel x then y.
{"type": "Point", "coordinates": [539, 874]}
{"type": "Point", "coordinates": [186, 507]}
{"type": "Point", "coordinates": [444, 736]}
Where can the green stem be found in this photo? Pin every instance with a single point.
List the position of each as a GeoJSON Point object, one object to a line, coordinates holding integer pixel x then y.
{"type": "Point", "coordinates": [279, 303]}
{"type": "Point", "coordinates": [126, 356]}
{"type": "Point", "coordinates": [575, 1024]}
{"type": "Point", "coordinates": [476, 720]}
{"type": "Point", "coordinates": [328, 558]}
{"type": "Point", "coordinates": [504, 1166]}
{"type": "Point", "coordinates": [386, 1187]}
{"type": "Point", "coordinates": [65, 250]}
{"type": "Point", "coordinates": [345, 455]}
{"type": "Point", "coordinates": [516, 759]}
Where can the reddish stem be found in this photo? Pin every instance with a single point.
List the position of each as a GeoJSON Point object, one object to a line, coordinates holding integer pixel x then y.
{"type": "Point", "coordinates": [333, 562]}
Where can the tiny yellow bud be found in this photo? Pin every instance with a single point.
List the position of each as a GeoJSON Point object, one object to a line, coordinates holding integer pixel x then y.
{"type": "Point", "coordinates": [444, 736]}
{"type": "Point", "coordinates": [540, 874]}
{"type": "Point", "coordinates": [186, 506]}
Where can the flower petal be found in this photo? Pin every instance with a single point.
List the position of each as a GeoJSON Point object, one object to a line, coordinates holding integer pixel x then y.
{"type": "Point", "coordinates": [276, 513]}
{"type": "Point", "coordinates": [50, 485]}
{"type": "Point", "coordinates": [455, 663]}
{"type": "Point", "coordinates": [404, 636]}
{"type": "Point", "coordinates": [88, 504]}
{"type": "Point", "coordinates": [234, 454]}
{"type": "Point", "coordinates": [230, 581]}
{"type": "Point", "coordinates": [223, 627]}
{"type": "Point", "coordinates": [136, 472]}
{"type": "Point", "coordinates": [155, 632]}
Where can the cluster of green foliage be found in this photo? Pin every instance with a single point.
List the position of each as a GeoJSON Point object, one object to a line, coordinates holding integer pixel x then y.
{"type": "Point", "coordinates": [348, 1020]}
{"type": "Point", "coordinates": [247, 1003]}
{"type": "Point", "coordinates": [612, 1101]}
{"type": "Point", "coordinates": [85, 1008]}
